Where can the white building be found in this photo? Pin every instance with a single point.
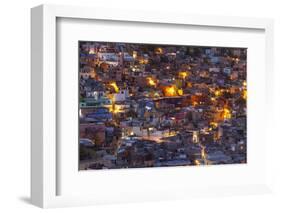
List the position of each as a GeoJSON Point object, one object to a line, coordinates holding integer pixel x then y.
{"type": "Point", "coordinates": [214, 69]}
{"type": "Point", "coordinates": [121, 95]}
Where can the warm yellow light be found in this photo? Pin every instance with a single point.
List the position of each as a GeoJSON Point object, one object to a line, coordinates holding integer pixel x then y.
{"type": "Point", "coordinates": [143, 61]}
{"type": "Point", "coordinates": [183, 74]}
{"type": "Point", "coordinates": [189, 84]}
{"type": "Point", "coordinates": [172, 134]}
{"type": "Point", "coordinates": [203, 154]}
{"type": "Point", "coordinates": [114, 85]}
{"type": "Point", "coordinates": [217, 93]}
{"type": "Point", "coordinates": [173, 91]}
{"type": "Point", "coordinates": [159, 50]}
{"type": "Point", "coordinates": [226, 113]}
{"type": "Point", "coordinates": [244, 83]}
{"type": "Point", "coordinates": [194, 103]}
{"type": "Point", "coordinates": [214, 124]}
{"type": "Point", "coordinates": [180, 91]}
{"type": "Point", "coordinates": [244, 94]}
{"type": "Point", "coordinates": [115, 109]}
{"type": "Point", "coordinates": [170, 91]}
{"type": "Point", "coordinates": [197, 162]}
{"type": "Point", "coordinates": [151, 81]}
{"type": "Point", "coordinates": [135, 54]}
{"type": "Point", "coordinates": [195, 137]}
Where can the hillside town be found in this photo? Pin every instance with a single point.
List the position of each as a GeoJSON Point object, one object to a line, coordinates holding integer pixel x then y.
{"type": "Point", "coordinates": [152, 105]}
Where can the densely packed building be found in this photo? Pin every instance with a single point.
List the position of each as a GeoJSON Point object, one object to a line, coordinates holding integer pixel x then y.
{"type": "Point", "coordinates": [144, 105]}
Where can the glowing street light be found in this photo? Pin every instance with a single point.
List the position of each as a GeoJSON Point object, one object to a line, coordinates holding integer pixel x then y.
{"type": "Point", "coordinates": [170, 91]}
{"type": "Point", "coordinates": [183, 74]}
{"type": "Point", "coordinates": [226, 113]}
{"type": "Point", "coordinates": [115, 87]}
{"type": "Point", "coordinates": [151, 81]}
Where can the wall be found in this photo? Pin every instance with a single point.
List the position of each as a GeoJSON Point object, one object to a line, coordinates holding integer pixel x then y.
{"type": "Point", "coordinates": [15, 96]}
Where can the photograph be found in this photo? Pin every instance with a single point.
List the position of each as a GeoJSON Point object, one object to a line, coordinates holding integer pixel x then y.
{"type": "Point", "coordinates": [161, 105]}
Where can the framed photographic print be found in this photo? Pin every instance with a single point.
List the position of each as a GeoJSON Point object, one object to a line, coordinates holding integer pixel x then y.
{"type": "Point", "coordinates": [132, 105]}
{"type": "Point", "coordinates": [153, 105]}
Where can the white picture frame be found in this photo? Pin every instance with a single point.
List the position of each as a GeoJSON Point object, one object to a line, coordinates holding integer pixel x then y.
{"type": "Point", "coordinates": [44, 155]}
